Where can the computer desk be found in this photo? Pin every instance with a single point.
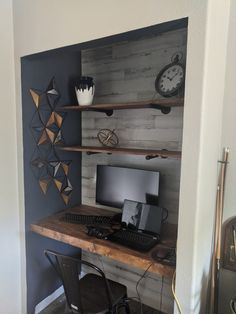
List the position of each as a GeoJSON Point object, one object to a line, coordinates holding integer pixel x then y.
{"type": "Point", "coordinates": [53, 227]}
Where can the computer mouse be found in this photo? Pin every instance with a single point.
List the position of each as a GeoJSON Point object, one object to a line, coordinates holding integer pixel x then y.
{"type": "Point", "coordinates": [164, 254]}
{"type": "Point", "coordinates": [161, 252]}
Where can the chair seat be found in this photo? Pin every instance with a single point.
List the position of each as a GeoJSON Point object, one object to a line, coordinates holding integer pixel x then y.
{"type": "Point", "coordinates": [93, 293]}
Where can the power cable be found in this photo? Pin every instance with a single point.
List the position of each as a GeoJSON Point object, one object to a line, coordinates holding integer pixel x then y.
{"type": "Point", "coordinates": [136, 287]}
{"type": "Point", "coordinates": [174, 294]}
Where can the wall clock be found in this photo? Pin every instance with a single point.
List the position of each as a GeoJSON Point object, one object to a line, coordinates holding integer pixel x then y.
{"type": "Point", "coordinates": [170, 80]}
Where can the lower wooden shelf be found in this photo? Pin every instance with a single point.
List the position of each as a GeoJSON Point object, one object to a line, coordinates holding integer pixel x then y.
{"type": "Point", "coordinates": [53, 227]}
{"type": "Point", "coordinates": [149, 153]}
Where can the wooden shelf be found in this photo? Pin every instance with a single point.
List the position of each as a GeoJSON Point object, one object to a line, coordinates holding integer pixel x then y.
{"type": "Point", "coordinates": [164, 105]}
{"type": "Point", "coordinates": [73, 234]}
{"type": "Point", "coordinates": [149, 153]}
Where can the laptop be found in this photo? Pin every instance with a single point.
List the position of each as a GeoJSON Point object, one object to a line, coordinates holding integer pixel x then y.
{"type": "Point", "coordinates": [141, 226]}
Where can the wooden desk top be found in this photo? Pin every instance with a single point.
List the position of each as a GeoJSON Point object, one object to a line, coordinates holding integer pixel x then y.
{"type": "Point", "coordinates": [74, 234]}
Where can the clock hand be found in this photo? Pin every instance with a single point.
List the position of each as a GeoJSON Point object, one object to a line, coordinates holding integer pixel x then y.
{"type": "Point", "coordinates": [174, 75]}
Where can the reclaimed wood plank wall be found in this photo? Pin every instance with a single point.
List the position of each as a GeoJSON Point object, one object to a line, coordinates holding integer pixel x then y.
{"type": "Point", "coordinates": [126, 71]}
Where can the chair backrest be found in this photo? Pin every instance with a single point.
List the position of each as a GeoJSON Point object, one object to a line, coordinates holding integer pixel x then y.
{"type": "Point", "coordinates": [68, 269]}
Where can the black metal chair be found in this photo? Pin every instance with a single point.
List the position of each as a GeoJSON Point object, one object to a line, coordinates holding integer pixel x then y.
{"type": "Point", "coordinates": [92, 293]}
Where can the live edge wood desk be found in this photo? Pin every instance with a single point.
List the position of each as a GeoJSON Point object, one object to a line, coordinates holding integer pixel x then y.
{"type": "Point", "coordinates": [53, 227]}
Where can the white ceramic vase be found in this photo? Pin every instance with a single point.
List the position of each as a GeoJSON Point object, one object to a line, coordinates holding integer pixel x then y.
{"type": "Point", "coordinates": [85, 91]}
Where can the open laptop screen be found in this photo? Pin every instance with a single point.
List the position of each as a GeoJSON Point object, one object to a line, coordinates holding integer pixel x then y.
{"type": "Point", "coordinates": [142, 216]}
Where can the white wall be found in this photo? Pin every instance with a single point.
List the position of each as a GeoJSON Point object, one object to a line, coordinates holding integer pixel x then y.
{"type": "Point", "coordinates": [200, 178]}
{"type": "Point", "coordinates": [10, 299]}
{"type": "Point", "coordinates": [227, 277]}
{"type": "Point", "coordinates": [229, 115]}
{"type": "Point", "coordinates": [43, 25]}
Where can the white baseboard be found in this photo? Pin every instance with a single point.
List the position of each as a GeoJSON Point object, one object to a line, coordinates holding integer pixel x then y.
{"type": "Point", "coordinates": [52, 297]}
{"type": "Point", "coordinates": [48, 300]}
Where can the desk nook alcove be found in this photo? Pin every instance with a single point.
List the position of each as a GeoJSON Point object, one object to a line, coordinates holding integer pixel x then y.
{"type": "Point", "coordinates": [62, 153]}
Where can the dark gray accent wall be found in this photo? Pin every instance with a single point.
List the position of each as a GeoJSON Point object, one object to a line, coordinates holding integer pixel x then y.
{"type": "Point", "coordinates": [37, 73]}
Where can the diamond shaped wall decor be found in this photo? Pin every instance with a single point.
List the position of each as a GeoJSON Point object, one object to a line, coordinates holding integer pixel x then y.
{"type": "Point", "coordinates": [46, 126]}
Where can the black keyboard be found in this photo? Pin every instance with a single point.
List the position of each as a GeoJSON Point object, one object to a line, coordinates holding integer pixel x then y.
{"type": "Point", "coordinates": [87, 219]}
{"type": "Point", "coordinates": [134, 239]}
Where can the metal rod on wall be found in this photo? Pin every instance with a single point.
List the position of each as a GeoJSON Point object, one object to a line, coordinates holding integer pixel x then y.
{"type": "Point", "coordinates": [215, 262]}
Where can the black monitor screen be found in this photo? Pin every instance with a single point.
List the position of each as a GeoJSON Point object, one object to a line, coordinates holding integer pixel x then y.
{"type": "Point", "coordinates": [115, 184]}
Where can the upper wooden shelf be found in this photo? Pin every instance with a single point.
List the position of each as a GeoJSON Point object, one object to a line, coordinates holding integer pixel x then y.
{"type": "Point", "coordinates": [149, 153]}
{"type": "Point", "coordinates": [163, 104]}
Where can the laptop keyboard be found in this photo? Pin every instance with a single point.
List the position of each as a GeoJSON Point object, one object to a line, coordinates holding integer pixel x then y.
{"type": "Point", "coordinates": [133, 239]}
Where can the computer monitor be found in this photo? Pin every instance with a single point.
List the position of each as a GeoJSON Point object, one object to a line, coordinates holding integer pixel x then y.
{"type": "Point", "coordinates": [115, 184]}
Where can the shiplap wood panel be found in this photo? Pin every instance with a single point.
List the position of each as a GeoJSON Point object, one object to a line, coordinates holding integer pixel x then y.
{"type": "Point", "coordinates": [126, 72]}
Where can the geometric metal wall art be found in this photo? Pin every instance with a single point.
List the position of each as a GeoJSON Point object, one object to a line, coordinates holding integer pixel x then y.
{"type": "Point", "coordinates": [46, 126]}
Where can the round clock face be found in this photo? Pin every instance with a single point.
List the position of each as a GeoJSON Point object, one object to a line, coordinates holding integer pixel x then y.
{"type": "Point", "coordinates": [170, 80]}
